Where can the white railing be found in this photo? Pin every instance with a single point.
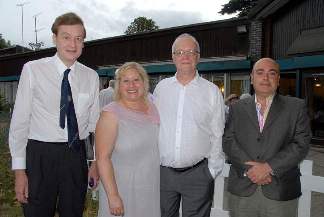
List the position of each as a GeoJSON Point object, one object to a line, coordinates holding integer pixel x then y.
{"type": "Point", "coordinates": [309, 183]}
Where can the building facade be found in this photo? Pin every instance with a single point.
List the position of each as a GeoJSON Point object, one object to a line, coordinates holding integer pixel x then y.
{"type": "Point", "coordinates": [290, 31]}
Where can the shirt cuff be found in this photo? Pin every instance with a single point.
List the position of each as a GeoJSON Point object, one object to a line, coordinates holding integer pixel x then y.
{"type": "Point", "coordinates": [212, 172]}
{"type": "Point", "coordinates": [18, 163]}
{"type": "Point", "coordinates": [217, 166]}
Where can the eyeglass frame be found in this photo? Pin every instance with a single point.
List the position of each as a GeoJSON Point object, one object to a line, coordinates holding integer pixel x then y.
{"type": "Point", "coordinates": [180, 53]}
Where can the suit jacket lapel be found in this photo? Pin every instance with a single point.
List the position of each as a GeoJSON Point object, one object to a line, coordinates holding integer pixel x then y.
{"type": "Point", "coordinates": [274, 111]}
{"type": "Point", "coordinates": [251, 111]}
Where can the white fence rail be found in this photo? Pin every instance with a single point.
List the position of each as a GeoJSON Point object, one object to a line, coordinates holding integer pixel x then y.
{"type": "Point", "coordinates": [309, 183]}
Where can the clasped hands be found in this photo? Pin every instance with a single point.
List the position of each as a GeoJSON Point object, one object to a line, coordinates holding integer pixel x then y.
{"type": "Point", "coordinates": [259, 173]}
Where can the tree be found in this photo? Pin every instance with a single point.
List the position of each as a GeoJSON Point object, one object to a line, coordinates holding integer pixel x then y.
{"type": "Point", "coordinates": [141, 24]}
{"type": "Point", "coordinates": [4, 43]}
{"type": "Point", "coordinates": [241, 6]}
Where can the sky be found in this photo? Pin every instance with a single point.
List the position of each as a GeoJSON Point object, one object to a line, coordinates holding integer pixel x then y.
{"type": "Point", "coordinates": [102, 18]}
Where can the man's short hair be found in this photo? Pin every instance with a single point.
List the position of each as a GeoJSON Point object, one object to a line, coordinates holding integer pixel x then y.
{"type": "Point", "coordinates": [266, 59]}
{"type": "Point", "coordinates": [67, 19]}
{"type": "Point", "coordinates": [185, 35]}
{"type": "Point", "coordinates": [245, 95]}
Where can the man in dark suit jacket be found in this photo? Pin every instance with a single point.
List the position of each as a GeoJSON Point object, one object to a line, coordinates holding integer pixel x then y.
{"type": "Point", "coordinates": [266, 137]}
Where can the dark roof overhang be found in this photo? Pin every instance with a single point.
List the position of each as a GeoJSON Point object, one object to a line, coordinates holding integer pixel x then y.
{"type": "Point", "coordinates": [309, 41]}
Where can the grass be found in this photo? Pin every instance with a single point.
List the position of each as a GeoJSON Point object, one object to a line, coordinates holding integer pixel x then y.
{"type": "Point", "coordinates": [9, 207]}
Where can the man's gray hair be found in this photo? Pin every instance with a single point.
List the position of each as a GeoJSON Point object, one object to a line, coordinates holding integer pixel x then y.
{"type": "Point", "coordinates": [245, 95]}
{"type": "Point", "coordinates": [112, 83]}
{"type": "Point", "coordinates": [185, 35]}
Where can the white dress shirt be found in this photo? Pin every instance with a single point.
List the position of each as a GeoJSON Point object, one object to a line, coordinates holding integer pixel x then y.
{"type": "Point", "coordinates": [191, 123]}
{"type": "Point", "coordinates": [37, 107]}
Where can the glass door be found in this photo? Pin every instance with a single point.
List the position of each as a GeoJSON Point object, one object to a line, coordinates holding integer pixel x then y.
{"type": "Point", "coordinates": [287, 84]}
{"type": "Point", "coordinates": [313, 92]}
{"type": "Point", "coordinates": [240, 84]}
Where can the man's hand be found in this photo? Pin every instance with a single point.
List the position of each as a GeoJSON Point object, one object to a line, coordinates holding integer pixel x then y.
{"type": "Point", "coordinates": [265, 181]}
{"type": "Point", "coordinates": [259, 173]}
{"type": "Point", "coordinates": [21, 186]}
{"type": "Point", "coordinates": [93, 174]}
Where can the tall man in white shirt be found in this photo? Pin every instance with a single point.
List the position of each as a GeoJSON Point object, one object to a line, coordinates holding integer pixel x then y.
{"type": "Point", "coordinates": [191, 128]}
{"type": "Point", "coordinates": [56, 107]}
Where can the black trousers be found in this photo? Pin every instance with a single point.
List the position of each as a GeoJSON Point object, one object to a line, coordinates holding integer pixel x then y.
{"type": "Point", "coordinates": [195, 187]}
{"type": "Point", "coordinates": [57, 180]}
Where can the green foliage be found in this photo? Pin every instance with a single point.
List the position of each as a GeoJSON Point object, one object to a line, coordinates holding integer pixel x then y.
{"type": "Point", "coordinates": [241, 6]}
{"type": "Point", "coordinates": [4, 43]}
{"type": "Point", "coordinates": [141, 24]}
{"type": "Point", "coordinates": [8, 205]}
{"type": "Point", "coordinates": [91, 206]}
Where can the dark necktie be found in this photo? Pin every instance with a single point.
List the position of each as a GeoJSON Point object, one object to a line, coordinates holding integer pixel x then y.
{"type": "Point", "coordinates": [67, 110]}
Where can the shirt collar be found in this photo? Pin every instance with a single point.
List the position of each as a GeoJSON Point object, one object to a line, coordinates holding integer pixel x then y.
{"type": "Point", "coordinates": [269, 100]}
{"type": "Point", "coordinates": [61, 67]}
{"type": "Point", "coordinates": [193, 81]}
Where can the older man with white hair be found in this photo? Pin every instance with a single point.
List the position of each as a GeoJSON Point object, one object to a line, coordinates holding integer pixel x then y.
{"type": "Point", "coordinates": [191, 128]}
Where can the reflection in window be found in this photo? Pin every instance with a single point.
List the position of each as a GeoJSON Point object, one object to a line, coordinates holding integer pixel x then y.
{"type": "Point", "coordinates": [287, 84]}
{"type": "Point", "coordinates": [313, 88]}
{"type": "Point", "coordinates": [240, 84]}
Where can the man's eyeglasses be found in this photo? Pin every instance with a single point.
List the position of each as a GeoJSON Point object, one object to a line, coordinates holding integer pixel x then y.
{"type": "Point", "coordinates": [185, 52]}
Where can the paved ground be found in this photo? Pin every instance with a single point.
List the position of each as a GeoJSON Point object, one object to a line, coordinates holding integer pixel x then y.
{"type": "Point", "coordinates": [317, 155]}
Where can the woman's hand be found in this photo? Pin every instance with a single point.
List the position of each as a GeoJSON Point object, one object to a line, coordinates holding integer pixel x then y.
{"type": "Point", "coordinates": [116, 205]}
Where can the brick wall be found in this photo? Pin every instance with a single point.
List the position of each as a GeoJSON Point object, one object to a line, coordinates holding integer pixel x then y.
{"type": "Point", "coordinates": [255, 39]}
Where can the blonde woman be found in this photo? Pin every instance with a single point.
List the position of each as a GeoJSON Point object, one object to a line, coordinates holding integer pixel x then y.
{"type": "Point", "coordinates": [127, 149]}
